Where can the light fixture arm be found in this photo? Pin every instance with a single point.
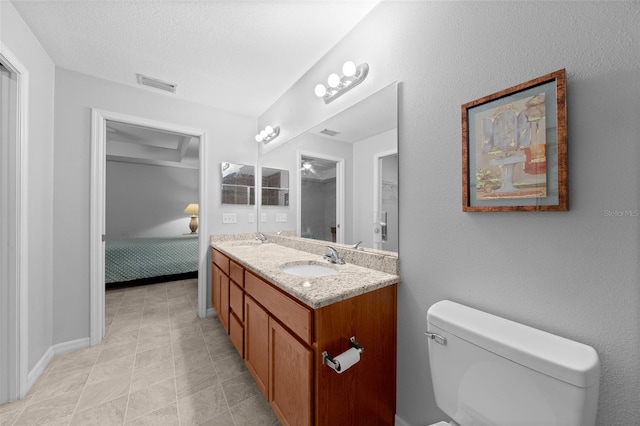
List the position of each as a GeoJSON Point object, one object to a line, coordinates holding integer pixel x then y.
{"type": "Point", "coordinates": [346, 83]}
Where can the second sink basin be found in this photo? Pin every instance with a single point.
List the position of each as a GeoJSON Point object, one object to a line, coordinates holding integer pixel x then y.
{"type": "Point", "coordinates": [309, 270]}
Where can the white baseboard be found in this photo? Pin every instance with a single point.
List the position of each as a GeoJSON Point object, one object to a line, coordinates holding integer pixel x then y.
{"type": "Point", "coordinates": [72, 345]}
{"type": "Point", "coordinates": [59, 348]}
{"type": "Point", "coordinates": [211, 312]}
{"type": "Point", "coordinates": [39, 368]}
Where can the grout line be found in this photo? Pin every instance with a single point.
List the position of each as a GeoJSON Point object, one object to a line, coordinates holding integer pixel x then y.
{"type": "Point", "coordinates": [21, 410]}
{"type": "Point", "coordinates": [224, 394]}
{"type": "Point", "coordinates": [173, 360]}
{"type": "Point", "coordinates": [86, 383]}
{"type": "Point", "coordinates": [133, 368]}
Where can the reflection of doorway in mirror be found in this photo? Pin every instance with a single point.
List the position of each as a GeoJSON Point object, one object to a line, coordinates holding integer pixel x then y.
{"type": "Point", "coordinates": [319, 183]}
{"type": "Point", "coordinates": [386, 192]}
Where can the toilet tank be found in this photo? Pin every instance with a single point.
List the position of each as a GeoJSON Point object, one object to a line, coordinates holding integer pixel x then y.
{"type": "Point", "coordinates": [489, 370]}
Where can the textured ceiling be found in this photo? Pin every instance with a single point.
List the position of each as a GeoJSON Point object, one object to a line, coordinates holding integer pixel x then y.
{"type": "Point", "coordinates": [236, 55]}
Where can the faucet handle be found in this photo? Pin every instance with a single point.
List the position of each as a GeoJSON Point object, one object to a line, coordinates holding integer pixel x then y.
{"type": "Point", "coordinates": [333, 256]}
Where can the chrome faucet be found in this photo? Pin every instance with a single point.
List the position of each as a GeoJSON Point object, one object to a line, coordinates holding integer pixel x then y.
{"type": "Point", "coordinates": [333, 256]}
{"type": "Point", "coordinates": [357, 246]}
{"type": "Point", "coordinates": [262, 238]}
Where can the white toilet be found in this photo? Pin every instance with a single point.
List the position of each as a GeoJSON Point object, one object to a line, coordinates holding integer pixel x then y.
{"type": "Point", "coordinates": [487, 370]}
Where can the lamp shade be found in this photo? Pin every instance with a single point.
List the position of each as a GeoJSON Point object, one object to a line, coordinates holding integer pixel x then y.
{"type": "Point", "coordinates": [191, 209]}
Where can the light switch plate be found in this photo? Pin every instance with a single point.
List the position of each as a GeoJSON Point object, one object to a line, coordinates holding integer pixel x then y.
{"type": "Point", "coordinates": [263, 217]}
{"type": "Point", "coordinates": [229, 218]}
{"type": "Point", "coordinates": [251, 218]}
{"type": "Point", "coordinates": [281, 217]}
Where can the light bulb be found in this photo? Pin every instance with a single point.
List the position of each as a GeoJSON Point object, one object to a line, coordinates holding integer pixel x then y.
{"type": "Point", "coordinates": [263, 134]}
{"type": "Point", "coordinates": [258, 138]}
{"type": "Point", "coordinates": [349, 69]}
{"type": "Point", "coordinates": [320, 90]}
{"type": "Point", "coordinates": [269, 130]}
{"type": "Point", "coordinates": [306, 165]}
{"type": "Point", "coordinates": [334, 80]}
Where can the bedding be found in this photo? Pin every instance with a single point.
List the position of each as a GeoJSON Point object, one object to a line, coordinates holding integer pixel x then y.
{"type": "Point", "coordinates": [130, 259]}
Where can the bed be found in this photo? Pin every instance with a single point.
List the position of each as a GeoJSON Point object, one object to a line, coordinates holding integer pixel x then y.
{"type": "Point", "coordinates": [130, 259]}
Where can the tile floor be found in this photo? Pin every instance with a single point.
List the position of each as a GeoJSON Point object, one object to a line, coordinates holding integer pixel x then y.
{"type": "Point", "coordinates": [159, 365]}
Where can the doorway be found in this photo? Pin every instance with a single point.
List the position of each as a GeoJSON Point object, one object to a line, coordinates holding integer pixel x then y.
{"type": "Point", "coordinates": [99, 123]}
{"type": "Point", "coordinates": [320, 191]}
{"type": "Point", "coordinates": [386, 221]}
{"type": "Point", "coordinates": [13, 228]}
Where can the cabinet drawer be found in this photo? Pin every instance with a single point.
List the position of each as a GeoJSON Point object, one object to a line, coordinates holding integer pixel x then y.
{"type": "Point", "coordinates": [236, 272]}
{"type": "Point", "coordinates": [236, 333]}
{"type": "Point", "coordinates": [221, 260]}
{"type": "Point", "coordinates": [292, 314]}
{"type": "Point", "coordinates": [236, 300]}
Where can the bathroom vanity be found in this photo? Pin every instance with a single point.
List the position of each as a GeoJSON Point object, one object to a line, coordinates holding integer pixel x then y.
{"type": "Point", "coordinates": [281, 324]}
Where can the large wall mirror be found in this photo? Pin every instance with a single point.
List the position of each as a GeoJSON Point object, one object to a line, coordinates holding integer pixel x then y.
{"type": "Point", "coordinates": [344, 177]}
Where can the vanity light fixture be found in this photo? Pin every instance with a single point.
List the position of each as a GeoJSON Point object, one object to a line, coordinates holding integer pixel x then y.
{"type": "Point", "coordinates": [338, 86]}
{"type": "Point", "coordinates": [268, 134]}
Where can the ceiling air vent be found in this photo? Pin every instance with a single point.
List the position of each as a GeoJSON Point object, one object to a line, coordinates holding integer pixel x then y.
{"type": "Point", "coordinates": [156, 84]}
{"type": "Point", "coordinates": [329, 132]}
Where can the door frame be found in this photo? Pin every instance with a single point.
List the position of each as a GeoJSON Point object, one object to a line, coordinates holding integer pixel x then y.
{"type": "Point", "coordinates": [377, 176]}
{"type": "Point", "coordinates": [340, 191]}
{"type": "Point", "coordinates": [99, 120]}
{"type": "Point", "coordinates": [377, 179]}
{"type": "Point", "coordinates": [16, 305]}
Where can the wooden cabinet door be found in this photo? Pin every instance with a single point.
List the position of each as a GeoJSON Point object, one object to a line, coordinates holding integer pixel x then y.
{"type": "Point", "coordinates": [224, 301]}
{"type": "Point", "coordinates": [256, 342]}
{"type": "Point", "coordinates": [236, 300]}
{"type": "Point", "coordinates": [220, 295]}
{"type": "Point", "coordinates": [215, 288]}
{"type": "Point", "coordinates": [290, 377]}
{"type": "Point", "coordinates": [236, 333]}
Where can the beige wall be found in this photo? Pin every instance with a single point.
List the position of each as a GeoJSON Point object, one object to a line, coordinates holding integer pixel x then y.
{"type": "Point", "coordinates": [574, 273]}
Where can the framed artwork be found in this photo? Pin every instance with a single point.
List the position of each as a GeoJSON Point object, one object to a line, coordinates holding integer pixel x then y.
{"type": "Point", "coordinates": [514, 148]}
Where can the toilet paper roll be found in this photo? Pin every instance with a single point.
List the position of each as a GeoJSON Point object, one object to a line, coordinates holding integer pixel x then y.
{"type": "Point", "coordinates": [347, 359]}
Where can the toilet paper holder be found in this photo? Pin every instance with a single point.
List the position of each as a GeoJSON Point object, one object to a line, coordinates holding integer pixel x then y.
{"type": "Point", "coordinates": [331, 362]}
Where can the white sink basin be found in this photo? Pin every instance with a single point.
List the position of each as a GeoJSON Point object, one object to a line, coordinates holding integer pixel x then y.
{"type": "Point", "coordinates": [309, 270]}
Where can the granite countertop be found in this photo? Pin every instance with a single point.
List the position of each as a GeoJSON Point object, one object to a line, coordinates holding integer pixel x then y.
{"type": "Point", "coordinates": [267, 261]}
